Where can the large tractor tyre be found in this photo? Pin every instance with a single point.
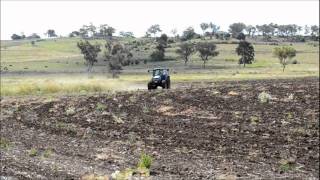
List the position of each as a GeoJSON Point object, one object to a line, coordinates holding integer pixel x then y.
{"type": "Point", "coordinates": [168, 82]}
{"type": "Point", "coordinates": [150, 87]}
{"type": "Point", "coordinates": [164, 84]}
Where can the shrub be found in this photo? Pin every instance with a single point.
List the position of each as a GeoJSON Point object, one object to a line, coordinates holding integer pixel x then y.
{"type": "Point", "coordinates": [241, 36]}
{"type": "Point", "coordinates": [299, 38]}
{"type": "Point", "coordinates": [223, 35]}
{"type": "Point", "coordinates": [295, 61]}
{"type": "Point", "coordinates": [157, 56]}
{"type": "Point", "coordinates": [170, 41]}
{"type": "Point", "coordinates": [283, 54]}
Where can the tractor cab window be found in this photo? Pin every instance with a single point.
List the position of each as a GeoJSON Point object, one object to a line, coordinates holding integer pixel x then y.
{"type": "Point", "coordinates": [157, 72]}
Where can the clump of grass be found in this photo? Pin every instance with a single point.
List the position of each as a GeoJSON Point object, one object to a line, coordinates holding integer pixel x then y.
{"type": "Point", "coordinates": [70, 111]}
{"type": "Point", "coordinates": [25, 89]}
{"type": "Point", "coordinates": [167, 101]}
{"type": "Point", "coordinates": [94, 177]}
{"type": "Point", "coordinates": [145, 161]}
{"type": "Point", "coordinates": [299, 131]}
{"type": "Point", "coordinates": [47, 153]}
{"type": "Point", "coordinates": [145, 109]}
{"type": "Point", "coordinates": [289, 115]}
{"type": "Point", "coordinates": [238, 114]}
{"type": "Point", "coordinates": [68, 127]}
{"type": "Point", "coordinates": [142, 169]}
{"type": "Point", "coordinates": [52, 85]}
{"type": "Point", "coordinates": [264, 97]}
{"type": "Point", "coordinates": [122, 175]}
{"type": "Point", "coordinates": [144, 164]}
{"type": "Point", "coordinates": [254, 119]}
{"type": "Point", "coordinates": [55, 168]}
{"type": "Point", "coordinates": [61, 125]}
{"type": "Point", "coordinates": [49, 88]}
{"type": "Point", "coordinates": [33, 152]}
{"type": "Point", "coordinates": [117, 119]}
{"type": "Point", "coordinates": [100, 107]}
{"type": "Point", "coordinates": [287, 164]}
{"type": "Point", "coordinates": [4, 143]}
{"type": "Point", "coordinates": [133, 99]}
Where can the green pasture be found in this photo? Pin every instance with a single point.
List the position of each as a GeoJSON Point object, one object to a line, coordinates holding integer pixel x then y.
{"type": "Point", "coordinates": [56, 66]}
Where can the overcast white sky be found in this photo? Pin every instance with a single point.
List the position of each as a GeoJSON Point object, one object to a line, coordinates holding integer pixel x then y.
{"type": "Point", "coordinates": [137, 16]}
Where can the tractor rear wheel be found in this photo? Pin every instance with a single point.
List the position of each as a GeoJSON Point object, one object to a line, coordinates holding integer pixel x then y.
{"type": "Point", "coordinates": [164, 86]}
{"type": "Point", "coordinates": [168, 82]}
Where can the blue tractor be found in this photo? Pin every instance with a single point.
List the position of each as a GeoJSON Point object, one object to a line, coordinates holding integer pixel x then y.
{"type": "Point", "coordinates": [160, 77]}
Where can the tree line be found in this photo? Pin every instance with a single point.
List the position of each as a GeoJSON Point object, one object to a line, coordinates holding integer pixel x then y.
{"type": "Point", "coordinates": [49, 33]}
{"type": "Point", "coordinates": [291, 32]}
{"type": "Point", "coordinates": [236, 30]}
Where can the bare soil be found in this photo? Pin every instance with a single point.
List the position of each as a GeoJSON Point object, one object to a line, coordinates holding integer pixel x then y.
{"type": "Point", "coordinates": [204, 131]}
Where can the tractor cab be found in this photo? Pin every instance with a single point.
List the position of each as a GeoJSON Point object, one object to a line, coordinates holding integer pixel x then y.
{"type": "Point", "coordinates": [160, 73]}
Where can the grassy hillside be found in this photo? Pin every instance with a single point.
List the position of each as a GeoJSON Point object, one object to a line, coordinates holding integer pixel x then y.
{"type": "Point", "coordinates": [61, 57]}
